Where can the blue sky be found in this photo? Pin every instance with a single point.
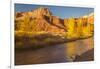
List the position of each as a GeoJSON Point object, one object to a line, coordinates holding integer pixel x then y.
{"type": "Point", "coordinates": [60, 11]}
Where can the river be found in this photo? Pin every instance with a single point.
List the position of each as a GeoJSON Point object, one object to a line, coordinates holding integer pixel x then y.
{"type": "Point", "coordinates": [65, 52]}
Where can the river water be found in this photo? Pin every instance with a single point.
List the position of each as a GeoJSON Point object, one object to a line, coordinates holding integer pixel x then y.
{"type": "Point", "coordinates": [65, 52]}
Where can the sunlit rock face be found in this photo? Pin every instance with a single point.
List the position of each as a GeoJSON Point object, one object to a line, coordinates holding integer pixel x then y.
{"type": "Point", "coordinates": [91, 18]}
{"type": "Point", "coordinates": [37, 13]}
{"type": "Point", "coordinates": [42, 19]}
{"type": "Point", "coordinates": [91, 21]}
{"type": "Point", "coordinates": [42, 11]}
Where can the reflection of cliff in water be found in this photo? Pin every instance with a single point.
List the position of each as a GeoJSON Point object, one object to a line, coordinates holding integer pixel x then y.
{"type": "Point", "coordinates": [54, 54]}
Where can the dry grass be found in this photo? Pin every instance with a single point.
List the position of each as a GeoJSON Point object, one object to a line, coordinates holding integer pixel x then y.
{"type": "Point", "coordinates": [24, 40]}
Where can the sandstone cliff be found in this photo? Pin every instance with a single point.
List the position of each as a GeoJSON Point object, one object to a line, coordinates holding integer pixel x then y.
{"type": "Point", "coordinates": [42, 19]}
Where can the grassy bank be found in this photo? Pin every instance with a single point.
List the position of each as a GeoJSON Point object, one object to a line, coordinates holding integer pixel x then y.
{"type": "Point", "coordinates": [31, 40]}
{"type": "Point", "coordinates": [36, 40]}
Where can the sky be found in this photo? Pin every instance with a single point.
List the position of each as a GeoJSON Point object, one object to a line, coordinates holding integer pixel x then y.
{"type": "Point", "coordinates": [60, 11]}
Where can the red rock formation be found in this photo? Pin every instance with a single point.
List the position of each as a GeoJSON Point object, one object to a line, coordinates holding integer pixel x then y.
{"type": "Point", "coordinates": [40, 20]}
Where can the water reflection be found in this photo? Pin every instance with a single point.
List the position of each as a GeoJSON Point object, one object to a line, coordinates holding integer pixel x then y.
{"type": "Point", "coordinates": [78, 47]}
{"type": "Point", "coordinates": [54, 54]}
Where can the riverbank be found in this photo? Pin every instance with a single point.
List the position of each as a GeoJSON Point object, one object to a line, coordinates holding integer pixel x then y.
{"type": "Point", "coordinates": [29, 41]}
{"type": "Point", "coordinates": [87, 56]}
